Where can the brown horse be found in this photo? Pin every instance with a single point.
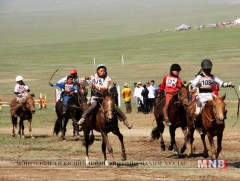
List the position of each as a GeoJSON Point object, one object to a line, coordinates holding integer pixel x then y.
{"type": "Point", "coordinates": [212, 121]}
{"type": "Point", "coordinates": [177, 117]}
{"type": "Point", "coordinates": [104, 121]}
{"type": "Point", "coordinates": [24, 113]}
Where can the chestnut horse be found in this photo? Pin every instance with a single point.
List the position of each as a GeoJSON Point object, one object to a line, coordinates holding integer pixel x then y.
{"type": "Point", "coordinates": [177, 117]}
{"type": "Point", "coordinates": [212, 121]}
{"type": "Point", "coordinates": [103, 120]}
{"type": "Point", "coordinates": [73, 112]}
{"type": "Point", "coordinates": [24, 113]}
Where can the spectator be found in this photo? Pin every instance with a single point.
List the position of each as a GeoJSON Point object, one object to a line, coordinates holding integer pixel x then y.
{"type": "Point", "coordinates": [138, 97]}
{"type": "Point", "coordinates": [155, 88]}
{"type": "Point", "coordinates": [114, 90]}
{"type": "Point", "coordinates": [144, 94]}
{"type": "Point", "coordinates": [126, 93]}
{"type": "Point", "coordinates": [151, 96]}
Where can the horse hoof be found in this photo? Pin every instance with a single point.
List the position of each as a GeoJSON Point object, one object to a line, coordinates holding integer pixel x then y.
{"type": "Point", "coordinates": [32, 137]}
{"type": "Point", "coordinates": [170, 148]}
{"type": "Point", "coordinates": [163, 148]}
{"type": "Point", "coordinates": [183, 149]}
{"type": "Point", "coordinates": [124, 158]}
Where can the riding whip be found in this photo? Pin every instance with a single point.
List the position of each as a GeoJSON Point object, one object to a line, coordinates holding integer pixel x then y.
{"type": "Point", "coordinates": [237, 108]}
{"type": "Point", "coordinates": [52, 76]}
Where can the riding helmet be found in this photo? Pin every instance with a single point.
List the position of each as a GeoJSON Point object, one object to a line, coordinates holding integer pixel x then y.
{"type": "Point", "coordinates": [206, 64]}
{"type": "Point", "coordinates": [73, 71]}
{"type": "Point", "coordinates": [175, 67]}
{"type": "Point", "coordinates": [19, 78]}
{"type": "Point", "coordinates": [101, 66]}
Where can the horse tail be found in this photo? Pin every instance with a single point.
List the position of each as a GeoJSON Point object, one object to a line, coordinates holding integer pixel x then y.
{"type": "Point", "coordinates": [57, 127]}
{"type": "Point", "coordinates": [91, 138]}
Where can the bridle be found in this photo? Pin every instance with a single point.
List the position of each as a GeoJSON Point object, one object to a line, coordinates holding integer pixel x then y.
{"type": "Point", "coordinates": [182, 99]}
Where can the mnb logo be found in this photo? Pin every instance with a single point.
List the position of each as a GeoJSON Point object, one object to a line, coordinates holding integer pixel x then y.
{"type": "Point", "coordinates": [222, 164]}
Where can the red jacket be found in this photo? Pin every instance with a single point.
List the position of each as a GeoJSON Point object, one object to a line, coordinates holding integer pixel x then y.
{"type": "Point", "coordinates": [170, 84]}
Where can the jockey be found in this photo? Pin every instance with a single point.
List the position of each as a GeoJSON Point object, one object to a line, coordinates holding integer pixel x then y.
{"type": "Point", "coordinates": [171, 83]}
{"type": "Point", "coordinates": [21, 90]}
{"type": "Point", "coordinates": [99, 82]}
{"type": "Point", "coordinates": [69, 90]}
{"type": "Point", "coordinates": [205, 82]}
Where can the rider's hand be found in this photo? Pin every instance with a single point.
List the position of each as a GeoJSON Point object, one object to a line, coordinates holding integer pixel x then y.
{"type": "Point", "coordinates": [87, 78]}
{"type": "Point", "coordinates": [231, 84]}
{"type": "Point", "coordinates": [51, 85]}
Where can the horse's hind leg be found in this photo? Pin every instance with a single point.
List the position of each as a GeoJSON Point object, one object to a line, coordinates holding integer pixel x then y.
{"type": "Point", "coordinates": [120, 136]}
{"type": "Point", "coordinates": [219, 144]}
{"type": "Point", "coordinates": [86, 143]}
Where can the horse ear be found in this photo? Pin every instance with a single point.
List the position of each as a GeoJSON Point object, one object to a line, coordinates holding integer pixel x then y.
{"type": "Point", "coordinates": [223, 96]}
{"type": "Point", "coordinates": [32, 94]}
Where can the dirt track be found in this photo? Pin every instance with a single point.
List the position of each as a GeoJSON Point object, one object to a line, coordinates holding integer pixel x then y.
{"type": "Point", "coordinates": [145, 160]}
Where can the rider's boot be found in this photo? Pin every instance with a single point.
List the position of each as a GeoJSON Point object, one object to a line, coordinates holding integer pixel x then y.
{"type": "Point", "coordinates": [165, 114]}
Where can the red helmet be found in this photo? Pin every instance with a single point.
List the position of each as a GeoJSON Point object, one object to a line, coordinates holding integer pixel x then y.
{"type": "Point", "coordinates": [73, 71]}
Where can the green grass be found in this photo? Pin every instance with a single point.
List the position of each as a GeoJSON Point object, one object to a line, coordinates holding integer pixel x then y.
{"type": "Point", "coordinates": [36, 52]}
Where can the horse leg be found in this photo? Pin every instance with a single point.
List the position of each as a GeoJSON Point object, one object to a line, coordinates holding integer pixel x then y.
{"type": "Point", "coordinates": [110, 150]}
{"type": "Point", "coordinates": [14, 125]}
{"type": "Point", "coordinates": [189, 140]}
{"type": "Point", "coordinates": [104, 153]}
{"type": "Point", "coordinates": [205, 151]}
{"type": "Point", "coordinates": [21, 129]}
{"type": "Point", "coordinates": [30, 128]}
{"type": "Point", "coordinates": [213, 150]}
{"type": "Point", "coordinates": [173, 145]}
{"type": "Point", "coordinates": [64, 128]}
{"type": "Point", "coordinates": [86, 143]}
{"type": "Point", "coordinates": [219, 144]}
{"type": "Point", "coordinates": [75, 128]}
{"type": "Point", "coordinates": [120, 136]}
{"type": "Point", "coordinates": [184, 129]}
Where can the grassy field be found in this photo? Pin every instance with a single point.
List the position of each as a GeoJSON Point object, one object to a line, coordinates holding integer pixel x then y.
{"type": "Point", "coordinates": [34, 45]}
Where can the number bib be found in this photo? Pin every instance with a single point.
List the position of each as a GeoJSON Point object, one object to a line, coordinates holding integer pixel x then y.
{"type": "Point", "coordinates": [206, 83]}
{"type": "Point", "coordinates": [171, 81]}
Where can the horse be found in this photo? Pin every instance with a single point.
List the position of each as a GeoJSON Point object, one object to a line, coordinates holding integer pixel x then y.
{"type": "Point", "coordinates": [212, 121]}
{"type": "Point", "coordinates": [177, 117]}
{"type": "Point", "coordinates": [73, 112]}
{"type": "Point", "coordinates": [24, 113]}
{"type": "Point", "coordinates": [103, 120]}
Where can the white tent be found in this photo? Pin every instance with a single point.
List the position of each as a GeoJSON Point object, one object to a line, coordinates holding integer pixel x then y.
{"type": "Point", "coordinates": [237, 21]}
{"type": "Point", "coordinates": [183, 27]}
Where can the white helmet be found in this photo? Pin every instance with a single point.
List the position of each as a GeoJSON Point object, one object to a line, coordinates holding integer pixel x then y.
{"type": "Point", "coordinates": [19, 78]}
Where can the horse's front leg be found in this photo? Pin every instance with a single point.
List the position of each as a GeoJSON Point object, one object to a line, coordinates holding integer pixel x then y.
{"type": "Point", "coordinates": [30, 128]}
{"type": "Point", "coordinates": [110, 150]}
{"type": "Point", "coordinates": [184, 130]}
{"type": "Point", "coordinates": [213, 150]}
{"type": "Point", "coordinates": [64, 128]}
{"type": "Point", "coordinates": [14, 125]}
{"type": "Point", "coordinates": [104, 153]}
{"type": "Point", "coordinates": [205, 150]}
{"type": "Point", "coordinates": [189, 140]}
{"type": "Point", "coordinates": [75, 128]}
{"type": "Point", "coordinates": [21, 128]}
{"type": "Point", "coordinates": [219, 144]}
{"type": "Point", "coordinates": [86, 143]}
{"type": "Point", "coordinates": [120, 136]}
{"type": "Point", "coordinates": [173, 144]}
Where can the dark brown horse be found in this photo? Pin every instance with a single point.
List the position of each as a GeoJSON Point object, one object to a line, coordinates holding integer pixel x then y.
{"type": "Point", "coordinates": [177, 117]}
{"type": "Point", "coordinates": [212, 121]}
{"type": "Point", "coordinates": [74, 112]}
{"type": "Point", "coordinates": [104, 121]}
{"type": "Point", "coordinates": [24, 113]}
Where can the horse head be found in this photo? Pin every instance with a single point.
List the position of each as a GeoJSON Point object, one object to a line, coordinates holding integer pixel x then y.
{"type": "Point", "coordinates": [82, 94]}
{"type": "Point", "coordinates": [183, 96]}
{"type": "Point", "coordinates": [219, 108]}
{"type": "Point", "coordinates": [108, 105]}
{"type": "Point", "coordinates": [30, 104]}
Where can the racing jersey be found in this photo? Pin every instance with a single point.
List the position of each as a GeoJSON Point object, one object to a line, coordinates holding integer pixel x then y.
{"type": "Point", "coordinates": [19, 88]}
{"type": "Point", "coordinates": [170, 83]}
